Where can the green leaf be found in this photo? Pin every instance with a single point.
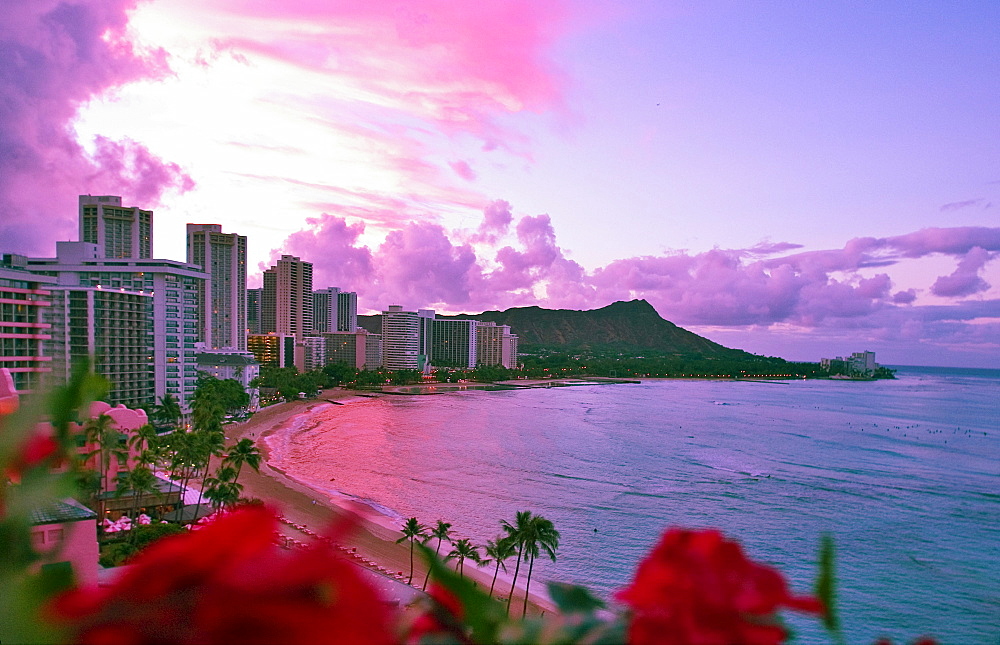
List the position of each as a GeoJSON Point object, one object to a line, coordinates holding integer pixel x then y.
{"type": "Point", "coordinates": [574, 599]}
{"type": "Point", "coordinates": [826, 587]}
{"type": "Point", "coordinates": [482, 615]}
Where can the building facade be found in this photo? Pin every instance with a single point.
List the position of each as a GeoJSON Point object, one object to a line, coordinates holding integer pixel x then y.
{"type": "Point", "coordinates": [24, 332]}
{"type": "Point", "coordinates": [272, 350]}
{"type": "Point", "coordinates": [253, 310]}
{"type": "Point", "coordinates": [360, 349]}
{"type": "Point", "coordinates": [453, 343]}
{"type": "Point", "coordinates": [325, 310]}
{"type": "Point", "coordinates": [406, 338]}
{"type": "Point", "coordinates": [334, 310]}
{"type": "Point", "coordinates": [496, 345]}
{"type": "Point", "coordinates": [347, 311]}
{"type": "Point", "coordinates": [137, 318]}
{"type": "Point", "coordinates": [118, 231]}
{"type": "Point", "coordinates": [313, 353]}
{"type": "Point", "coordinates": [286, 300]}
{"type": "Point", "coordinates": [222, 298]}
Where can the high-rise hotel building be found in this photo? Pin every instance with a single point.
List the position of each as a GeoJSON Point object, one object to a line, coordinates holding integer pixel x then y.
{"type": "Point", "coordinates": [454, 343]}
{"type": "Point", "coordinates": [118, 231]}
{"type": "Point", "coordinates": [335, 310]}
{"type": "Point", "coordinates": [253, 310]}
{"type": "Point", "coordinates": [24, 297]}
{"type": "Point", "coordinates": [138, 319]}
{"type": "Point", "coordinates": [222, 299]}
{"type": "Point", "coordinates": [286, 300]}
{"type": "Point", "coordinates": [496, 345]}
{"type": "Point", "coordinates": [406, 338]}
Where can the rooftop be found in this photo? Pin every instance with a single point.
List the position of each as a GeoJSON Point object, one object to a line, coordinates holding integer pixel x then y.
{"type": "Point", "coordinates": [68, 510]}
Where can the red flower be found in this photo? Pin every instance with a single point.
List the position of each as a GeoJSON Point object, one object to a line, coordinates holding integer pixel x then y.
{"type": "Point", "coordinates": [35, 450]}
{"type": "Point", "coordinates": [698, 587]}
{"type": "Point", "coordinates": [228, 583]}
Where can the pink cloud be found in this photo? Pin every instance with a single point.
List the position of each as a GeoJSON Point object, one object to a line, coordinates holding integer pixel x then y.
{"type": "Point", "coordinates": [463, 170]}
{"type": "Point", "coordinates": [497, 217]}
{"type": "Point", "coordinates": [965, 280]}
{"type": "Point", "coordinates": [54, 56]}
{"type": "Point", "coordinates": [331, 244]}
{"type": "Point", "coordinates": [421, 264]}
{"type": "Point", "coordinates": [538, 261]}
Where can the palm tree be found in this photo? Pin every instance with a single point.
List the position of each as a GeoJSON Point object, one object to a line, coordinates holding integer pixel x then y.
{"type": "Point", "coordinates": [464, 550]}
{"type": "Point", "coordinates": [205, 445]}
{"type": "Point", "coordinates": [99, 431]}
{"type": "Point", "coordinates": [223, 489]}
{"type": "Point", "coordinates": [244, 452]}
{"type": "Point", "coordinates": [145, 438]}
{"type": "Point", "coordinates": [139, 481]}
{"type": "Point", "coordinates": [541, 536]}
{"type": "Point", "coordinates": [169, 410]}
{"type": "Point", "coordinates": [207, 410]}
{"type": "Point", "coordinates": [498, 551]}
{"type": "Point", "coordinates": [515, 533]}
{"type": "Point", "coordinates": [411, 531]}
{"type": "Point", "coordinates": [441, 532]}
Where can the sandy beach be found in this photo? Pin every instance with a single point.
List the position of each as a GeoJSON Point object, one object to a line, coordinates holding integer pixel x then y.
{"type": "Point", "coordinates": [375, 535]}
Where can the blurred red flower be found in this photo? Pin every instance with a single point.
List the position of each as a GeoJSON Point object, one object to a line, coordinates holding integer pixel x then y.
{"type": "Point", "coordinates": [699, 587]}
{"type": "Point", "coordinates": [229, 583]}
{"type": "Point", "coordinates": [34, 451]}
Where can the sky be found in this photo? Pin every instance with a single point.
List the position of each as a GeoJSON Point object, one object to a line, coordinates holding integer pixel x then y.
{"type": "Point", "coordinates": [794, 179]}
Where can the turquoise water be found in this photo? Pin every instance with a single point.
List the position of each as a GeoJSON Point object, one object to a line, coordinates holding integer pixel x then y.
{"type": "Point", "coordinates": [905, 474]}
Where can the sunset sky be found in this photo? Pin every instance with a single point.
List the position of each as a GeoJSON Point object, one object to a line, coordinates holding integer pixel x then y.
{"type": "Point", "coordinates": [791, 178]}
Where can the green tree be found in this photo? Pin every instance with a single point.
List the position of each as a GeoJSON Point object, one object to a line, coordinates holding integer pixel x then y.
{"type": "Point", "coordinates": [515, 533]}
{"type": "Point", "coordinates": [168, 411]}
{"type": "Point", "coordinates": [442, 532]}
{"type": "Point", "coordinates": [109, 445]}
{"type": "Point", "coordinates": [338, 373]}
{"type": "Point", "coordinates": [138, 481]}
{"type": "Point", "coordinates": [499, 550]}
{"type": "Point", "coordinates": [244, 452]}
{"type": "Point", "coordinates": [412, 531]}
{"type": "Point", "coordinates": [222, 489]}
{"type": "Point", "coordinates": [541, 536]}
{"type": "Point", "coordinates": [464, 550]}
{"type": "Point", "coordinates": [144, 439]}
{"type": "Point", "coordinates": [205, 445]}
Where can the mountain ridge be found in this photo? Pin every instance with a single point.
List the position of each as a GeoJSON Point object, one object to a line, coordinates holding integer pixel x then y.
{"type": "Point", "coordinates": [630, 327]}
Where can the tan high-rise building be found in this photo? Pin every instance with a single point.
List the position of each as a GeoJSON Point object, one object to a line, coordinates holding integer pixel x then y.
{"type": "Point", "coordinates": [223, 298]}
{"type": "Point", "coordinates": [118, 231]}
{"type": "Point", "coordinates": [287, 299]}
{"type": "Point", "coordinates": [496, 345]}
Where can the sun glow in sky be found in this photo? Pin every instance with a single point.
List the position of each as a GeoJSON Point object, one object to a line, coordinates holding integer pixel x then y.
{"type": "Point", "coordinates": [794, 179]}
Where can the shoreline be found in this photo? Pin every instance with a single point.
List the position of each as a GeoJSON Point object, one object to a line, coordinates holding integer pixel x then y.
{"type": "Point", "coordinates": [374, 535]}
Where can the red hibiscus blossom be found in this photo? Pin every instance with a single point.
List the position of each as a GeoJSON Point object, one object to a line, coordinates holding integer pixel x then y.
{"type": "Point", "coordinates": [229, 583]}
{"type": "Point", "coordinates": [698, 587]}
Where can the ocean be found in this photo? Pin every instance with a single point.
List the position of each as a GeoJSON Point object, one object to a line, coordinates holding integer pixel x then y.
{"type": "Point", "coordinates": [905, 474]}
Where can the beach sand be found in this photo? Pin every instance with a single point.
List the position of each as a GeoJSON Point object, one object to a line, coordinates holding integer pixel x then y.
{"type": "Point", "coordinates": [374, 536]}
